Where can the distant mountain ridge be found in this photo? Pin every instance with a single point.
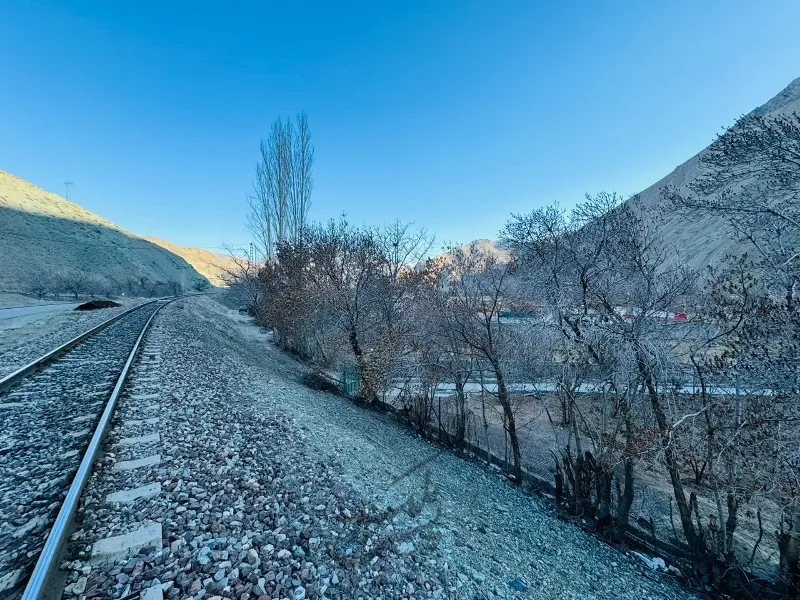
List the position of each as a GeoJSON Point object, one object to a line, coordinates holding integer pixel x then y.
{"type": "Point", "coordinates": [41, 232]}
{"type": "Point", "coordinates": [211, 265]}
{"type": "Point", "coordinates": [487, 247]}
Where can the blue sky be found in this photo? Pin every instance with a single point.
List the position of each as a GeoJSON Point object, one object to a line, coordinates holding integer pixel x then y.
{"type": "Point", "coordinates": [451, 114]}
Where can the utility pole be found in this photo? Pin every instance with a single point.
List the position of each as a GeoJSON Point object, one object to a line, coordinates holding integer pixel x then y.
{"type": "Point", "coordinates": [68, 185]}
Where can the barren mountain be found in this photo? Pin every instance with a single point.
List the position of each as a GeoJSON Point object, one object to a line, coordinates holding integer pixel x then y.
{"type": "Point", "coordinates": [701, 240]}
{"type": "Point", "coordinates": [210, 265]}
{"type": "Point", "coordinates": [487, 247]}
{"type": "Point", "coordinates": [41, 232]}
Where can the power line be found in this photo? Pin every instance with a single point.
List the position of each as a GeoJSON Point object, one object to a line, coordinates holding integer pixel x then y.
{"type": "Point", "coordinates": [68, 185]}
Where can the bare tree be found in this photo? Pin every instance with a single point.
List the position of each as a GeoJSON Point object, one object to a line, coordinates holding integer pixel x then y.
{"type": "Point", "coordinates": [174, 287]}
{"type": "Point", "coordinates": [752, 182]}
{"type": "Point", "coordinates": [132, 285]}
{"type": "Point", "coordinates": [302, 183]}
{"type": "Point", "coordinates": [603, 281]}
{"type": "Point", "coordinates": [240, 273]}
{"type": "Point", "coordinates": [75, 282]}
{"type": "Point", "coordinates": [474, 287]}
{"type": "Point", "coordinates": [349, 271]}
{"type": "Point", "coordinates": [442, 355]}
{"type": "Point", "coordinates": [39, 284]}
{"type": "Point", "coordinates": [281, 196]}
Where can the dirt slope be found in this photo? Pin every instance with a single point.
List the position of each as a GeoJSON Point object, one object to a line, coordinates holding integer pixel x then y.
{"type": "Point", "coordinates": [42, 232]}
{"type": "Point", "coordinates": [699, 241]}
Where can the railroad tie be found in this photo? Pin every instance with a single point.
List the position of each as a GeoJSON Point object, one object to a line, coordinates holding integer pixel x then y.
{"type": "Point", "coordinates": [125, 496]}
{"type": "Point", "coordinates": [128, 465]}
{"type": "Point", "coordinates": [141, 439]}
{"type": "Point", "coordinates": [120, 547]}
{"type": "Point", "coordinates": [138, 422]}
{"type": "Point", "coordinates": [144, 396]}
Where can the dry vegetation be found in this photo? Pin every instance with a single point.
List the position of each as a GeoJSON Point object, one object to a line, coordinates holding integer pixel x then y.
{"type": "Point", "coordinates": [592, 297]}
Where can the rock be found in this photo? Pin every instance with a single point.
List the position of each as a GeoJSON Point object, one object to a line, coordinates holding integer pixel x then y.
{"type": "Point", "coordinates": [195, 587]}
{"type": "Point", "coordinates": [656, 563]}
{"type": "Point", "coordinates": [405, 547]}
{"type": "Point", "coordinates": [518, 584]}
{"type": "Point", "coordinates": [261, 587]}
{"type": "Point", "coordinates": [79, 586]}
{"type": "Point", "coordinates": [299, 593]}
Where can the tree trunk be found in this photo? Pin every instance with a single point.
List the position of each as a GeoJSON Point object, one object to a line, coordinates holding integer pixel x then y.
{"type": "Point", "coordinates": [624, 502]}
{"type": "Point", "coordinates": [511, 424]}
{"type": "Point", "coordinates": [485, 422]}
{"type": "Point", "coordinates": [603, 477]}
{"type": "Point", "coordinates": [368, 394]}
{"type": "Point", "coordinates": [730, 525]}
{"type": "Point", "coordinates": [684, 510]}
{"type": "Point", "coordinates": [789, 547]}
{"type": "Point", "coordinates": [461, 413]}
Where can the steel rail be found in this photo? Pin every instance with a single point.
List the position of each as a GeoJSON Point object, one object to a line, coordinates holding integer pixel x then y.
{"type": "Point", "coordinates": [47, 563]}
{"type": "Point", "coordinates": [12, 379]}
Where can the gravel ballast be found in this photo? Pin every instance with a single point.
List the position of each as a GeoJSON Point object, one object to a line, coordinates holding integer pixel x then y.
{"type": "Point", "coordinates": [22, 343]}
{"type": "Point", "coordinates": [46, 422]}
{"type": "Point", "coordinates": [272, 490]}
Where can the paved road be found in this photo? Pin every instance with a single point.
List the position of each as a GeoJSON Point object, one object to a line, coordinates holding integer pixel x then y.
{"type": "Point", "coordinates": [27, 311]}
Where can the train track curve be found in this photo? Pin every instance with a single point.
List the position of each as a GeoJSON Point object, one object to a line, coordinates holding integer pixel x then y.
{"type": "Point", "coordinates": [53, 415]}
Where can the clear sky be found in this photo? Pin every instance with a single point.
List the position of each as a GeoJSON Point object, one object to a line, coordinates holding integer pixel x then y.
{"type": "Point", "coordinates": [449, 113]}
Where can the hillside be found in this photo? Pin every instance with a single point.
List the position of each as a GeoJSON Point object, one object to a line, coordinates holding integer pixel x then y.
{"type": "Point", "coordinates": [41, 232]}
{"type": "Point", "coordinates": [702, 240]}
{"type": "Point", "coordinates": [210, 265]}
{"type": "Point", "coordinates": [484, 246]}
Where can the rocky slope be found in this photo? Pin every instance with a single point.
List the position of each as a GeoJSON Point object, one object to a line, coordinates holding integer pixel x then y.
{"type": "Point", "coordinates": [41, 232]}
{"type": "Point", "coordinates": [698, 241]}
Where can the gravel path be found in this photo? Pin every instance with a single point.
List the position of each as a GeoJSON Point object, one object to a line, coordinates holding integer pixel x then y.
{"type": "Point", "coordinates": [23, 342]}
{"type": "Point", "coordinates": [46, 422]}
{"type": "Point", "coordinates": [272, 490]}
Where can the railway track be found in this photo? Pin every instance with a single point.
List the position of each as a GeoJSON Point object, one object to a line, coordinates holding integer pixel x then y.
{"type": "Point", "coordinates": [54, 413]}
